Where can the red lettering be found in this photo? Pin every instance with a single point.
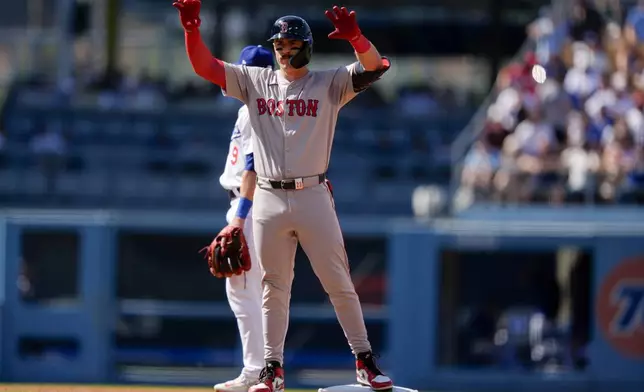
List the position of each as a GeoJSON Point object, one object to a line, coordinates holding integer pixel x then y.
{"type": "Point", "coordinates": [261, 106]}
{"type": "Point", "coordinates": [291, 106]}
{"type": "Point", "coordinates": [312, 108]}
{"type": "Point", "coordinates": [280, 109]}
{"type": "Point", "coordinates": [271, 106]}
{"type": "Point", "coordinates": [301, 107]}
{"type": "Point", "coordinates": [234, 154]}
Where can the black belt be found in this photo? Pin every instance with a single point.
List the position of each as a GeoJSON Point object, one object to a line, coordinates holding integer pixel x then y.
{"type": "Point", "coordinates": [290, 184]}
{"type": "Point", "coordinates": [232, 194]}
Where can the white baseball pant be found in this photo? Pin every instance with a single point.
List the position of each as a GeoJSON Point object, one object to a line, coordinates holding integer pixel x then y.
{"type": "Point", "coordinates": [244, 294]}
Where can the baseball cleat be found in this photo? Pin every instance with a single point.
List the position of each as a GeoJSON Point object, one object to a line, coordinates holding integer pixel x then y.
{"type": "Point", "coordinates": [271, 379]}
{"type": "Point", "coordinates": [369, 375]}
{"type": "Point", "coordinates": [240, 384]}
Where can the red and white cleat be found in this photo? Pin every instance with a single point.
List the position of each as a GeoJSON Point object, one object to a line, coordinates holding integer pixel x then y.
{"type": "Point", "coordinates": [369, 375]}
{"type": "Point", "coordinates": [271, 379]}
{"type": "Point", "coordinates": [240, 384]}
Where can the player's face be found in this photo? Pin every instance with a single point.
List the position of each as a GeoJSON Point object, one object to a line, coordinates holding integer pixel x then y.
{"type": "Point", "coordinates": [285, 49]}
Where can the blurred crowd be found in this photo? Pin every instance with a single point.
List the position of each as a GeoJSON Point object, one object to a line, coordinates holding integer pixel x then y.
{"type": "Point", "coordinates": [117, 89]}
{"type": "Point", "coordinates": [57, 146]}
{"type": "Point", "coordinates": [578, 135]}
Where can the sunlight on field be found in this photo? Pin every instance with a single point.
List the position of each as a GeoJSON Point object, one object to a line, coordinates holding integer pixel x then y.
{"type": "Point", "coordinates": [105, 388]}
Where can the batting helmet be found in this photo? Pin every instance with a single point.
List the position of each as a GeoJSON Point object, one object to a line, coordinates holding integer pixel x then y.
{"type": "Point", "coordinates": [294, 27]}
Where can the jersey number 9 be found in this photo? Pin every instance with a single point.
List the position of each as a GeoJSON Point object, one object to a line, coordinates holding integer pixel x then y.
{"type": "Point", "coordinates": [234, 154]}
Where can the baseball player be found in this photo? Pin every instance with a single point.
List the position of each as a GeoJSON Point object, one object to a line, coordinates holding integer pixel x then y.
{"type": "Point", "coordinates": [293, 113]}
{"type": "Point", "coordinates": [245, 292]}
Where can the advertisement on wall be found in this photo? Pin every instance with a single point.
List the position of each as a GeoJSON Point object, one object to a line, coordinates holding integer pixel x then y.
{"type": "Point", "coordinates": [620, 308]}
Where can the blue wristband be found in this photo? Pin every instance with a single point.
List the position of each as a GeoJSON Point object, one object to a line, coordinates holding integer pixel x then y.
{"type": "Point", "coordinates": [243, 208]}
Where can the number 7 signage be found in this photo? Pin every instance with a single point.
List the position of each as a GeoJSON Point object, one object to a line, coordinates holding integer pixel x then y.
{"type": "Point", "coordinates": [620, 308]}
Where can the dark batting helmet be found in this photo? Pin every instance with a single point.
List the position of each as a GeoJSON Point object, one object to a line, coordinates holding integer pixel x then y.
{"type": "Point", "coordinates": [294, 27]}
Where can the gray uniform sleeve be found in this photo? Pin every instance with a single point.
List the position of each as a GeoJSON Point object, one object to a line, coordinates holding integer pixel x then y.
{"type": "Point", "coordinates": [351, 80]}
{"type": "Point", "coordinates": [241, 81]}
{"type": "Point", "coordinates": [341, 90]}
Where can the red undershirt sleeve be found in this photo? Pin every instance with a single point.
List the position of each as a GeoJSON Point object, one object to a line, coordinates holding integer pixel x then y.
{"type": "Point", "coordinates": [203, 62]}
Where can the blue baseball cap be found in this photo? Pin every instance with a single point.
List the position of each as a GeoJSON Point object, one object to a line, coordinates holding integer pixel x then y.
{"type": "Point", "coordinates": [256, 56]}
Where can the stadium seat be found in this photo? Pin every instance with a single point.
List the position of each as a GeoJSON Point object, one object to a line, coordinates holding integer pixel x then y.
{"type": "Point", "coordinates": [8, 181]}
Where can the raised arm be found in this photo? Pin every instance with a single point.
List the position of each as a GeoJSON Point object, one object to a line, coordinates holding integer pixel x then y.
{"type": "Point", "coordinates": [346, 28]}
{"type": "Point", "coordinates": [371, 60]}
{"type": "Point", "coordinates": [351, 80]}
{"type": "Point", "coordinates": [203, 62]}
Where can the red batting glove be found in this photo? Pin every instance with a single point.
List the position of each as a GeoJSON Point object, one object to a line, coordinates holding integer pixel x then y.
{"type": "Point", "coordinates": [346, 26]}
{"type": "Point", "coordinates": [189, 13]}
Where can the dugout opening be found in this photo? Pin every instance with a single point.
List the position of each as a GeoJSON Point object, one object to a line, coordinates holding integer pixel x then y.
{"type": "Point", "coordinates": [527, 309]}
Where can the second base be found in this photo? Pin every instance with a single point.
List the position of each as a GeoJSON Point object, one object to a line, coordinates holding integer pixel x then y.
{"type": "Point", "coordinates": [360, 388]}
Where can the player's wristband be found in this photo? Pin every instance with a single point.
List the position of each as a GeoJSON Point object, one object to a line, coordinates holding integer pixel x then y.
{"type": "Point", "coordinates": [361, 44]}
{"type": "Point", "coordinates": [243, 208]}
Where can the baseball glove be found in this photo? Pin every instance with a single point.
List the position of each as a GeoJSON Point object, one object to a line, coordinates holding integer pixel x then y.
{"type": "Point", "coordinates": [228, 253]}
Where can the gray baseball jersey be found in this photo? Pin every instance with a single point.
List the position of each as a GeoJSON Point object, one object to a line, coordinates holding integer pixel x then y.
{"type": "Point", "coordinates": [294, 122]}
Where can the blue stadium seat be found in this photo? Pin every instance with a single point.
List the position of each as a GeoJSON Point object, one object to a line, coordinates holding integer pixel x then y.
{"type": "Point", "coordinates": [136, 156]}
{"type": "Point", "coordinates": [391, 194]}
{"type": "Point", "coordinates": [8, 181]}
{"type": "Point", "coordinates": [31, 182]}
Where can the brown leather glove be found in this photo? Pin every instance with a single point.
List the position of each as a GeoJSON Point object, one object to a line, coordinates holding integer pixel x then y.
{"type": "Point", "coordinates": [228, 253]}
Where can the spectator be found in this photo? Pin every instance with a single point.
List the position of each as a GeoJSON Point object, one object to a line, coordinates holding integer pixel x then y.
{"type": "Point", "coordinates": [624, 101]}
{"type": "Point", "coordinates": [505, 182]}
{"type": "Point", "coordinates": [535, 138]}
{"type": "Point", "coordinates": [581, 79]}
{"type": "Point", "coordinates": [542, 32]}
{"type": "Point", "coordinates": [556, 106]}
{"type": "Point", "coordinates": [578, 160]}
{"type": "Point", "coordinates": [634, 25]}
{"type": "Point", "coordinates": [481, 164]}
{"type": "Point", "coordinates": [604, 96]}
{"type": "Point", "coordinates": [535, 143]}
{"type": "Point", "coordinates": [635, 118]}
{"type": "Point", "coordinates": [585, 19]}
{"type": "Point", "coordinates": [619, 160]}
{"type": "Point", "coordinates": [584, 122]}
